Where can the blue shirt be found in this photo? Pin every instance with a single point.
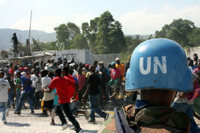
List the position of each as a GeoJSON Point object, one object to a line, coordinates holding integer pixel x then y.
{"type": "Point", "coordinates": [23, 80]}
{"type": "Point", "coordinates": [76, 80]}
{"type": "Point", "coordinates": [55, 101]}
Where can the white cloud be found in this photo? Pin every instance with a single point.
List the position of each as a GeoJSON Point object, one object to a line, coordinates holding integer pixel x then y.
{"type": "Point", "coordinates": [48, 23]}
{"type": "Point", "coordinates": [145, 22]}
{"type": "Point", "coordinates": [79, 19]}
{"type": "Point", "coordinates": [2, 2]}
{"type": "Point", "coordinates": [16, 1]}
{"type": "Point", "coordinates": [138, 22]}
{"type": "Point", "coordinates": [21, 24]}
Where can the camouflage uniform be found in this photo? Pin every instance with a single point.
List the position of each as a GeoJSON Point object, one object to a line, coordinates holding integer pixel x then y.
{"type": "Point", "coordinates": [160, 119]}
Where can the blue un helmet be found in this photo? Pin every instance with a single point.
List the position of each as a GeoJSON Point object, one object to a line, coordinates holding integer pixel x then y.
{"type": "Point", "coordinates": [159, 64]}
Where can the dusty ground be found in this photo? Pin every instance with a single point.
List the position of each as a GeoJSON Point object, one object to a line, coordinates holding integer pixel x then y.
{"type": "Point", "coordinates": [28, 123]}
{"type": "Point", "coordinates": [34, 123]}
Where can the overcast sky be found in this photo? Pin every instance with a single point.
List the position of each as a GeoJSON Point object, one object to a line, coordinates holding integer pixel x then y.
{"type": "Point", "coordinates": [136, 16]}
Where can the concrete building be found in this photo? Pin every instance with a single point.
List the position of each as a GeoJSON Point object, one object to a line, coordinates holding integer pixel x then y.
{"type": "Point", "coordinates": [84, 56]}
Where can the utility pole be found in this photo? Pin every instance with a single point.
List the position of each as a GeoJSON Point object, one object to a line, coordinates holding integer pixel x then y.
{"type": "Point", "coordinates": [29, 37]}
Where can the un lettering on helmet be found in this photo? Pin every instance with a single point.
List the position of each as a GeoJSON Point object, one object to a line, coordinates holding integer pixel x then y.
{"type": "Point", "coordinates": [159, 64]}
{"type": "Point", "coordinates": [162, 65]}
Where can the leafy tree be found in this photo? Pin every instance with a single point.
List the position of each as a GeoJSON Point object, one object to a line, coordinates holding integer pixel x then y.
{"type": "Point", "coordinates": [105, 34]}
{"type": "Point", "coordinates": [90, 32]}
{"type": "Point", "coordinates": [194, 37]}
{"type": "Point", "coordinates": [179, 30]}
{"type": "Point", "coordinates": [80, 42]}
{"type": "Point", "coordinates": [62, 35]}
{"type": "Point", "coordinates": [4, 54]}
{"type": "Point", "coordinates": [51, 46]}
{"type": "Point", "coordinates": [65, 34]}
{"type": "Point", "coordinates": [116, 37]}
{"type": "Point", "coordinates": [36, 46]}
{"type": "Point", "coordinates": [102, 38]}
{"type": "Point", "coordinates": [21, 47]}
{"type": "Point", "coordinates": [73, 30]}
{"type": "Point", "coordinates": [131, 45]}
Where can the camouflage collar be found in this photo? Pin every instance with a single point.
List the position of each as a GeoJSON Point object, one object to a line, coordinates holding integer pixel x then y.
{"type": "Point", "coordinates": [162, 115]}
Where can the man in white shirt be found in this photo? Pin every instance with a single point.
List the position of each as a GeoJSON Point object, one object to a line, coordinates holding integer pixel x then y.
{"type": "Point", "coordinates": [48, 97]}
{"type": "Point", "coordinates": [4, 89]}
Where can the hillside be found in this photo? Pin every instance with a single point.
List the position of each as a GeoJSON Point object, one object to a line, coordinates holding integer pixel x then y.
{"type": "Point", "coordinates": [6, 35]}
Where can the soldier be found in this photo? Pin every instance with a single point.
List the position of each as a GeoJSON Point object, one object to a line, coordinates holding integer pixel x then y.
{"type": "Point", "coordinates": [15, 44]}
{"type": "Point", "coordinates": [158, 69]}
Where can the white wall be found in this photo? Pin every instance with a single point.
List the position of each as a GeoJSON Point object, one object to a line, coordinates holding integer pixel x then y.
{"type": "Point", "coordinates": [84, 56]}
{"type": "Point", "coordinates": [190, 51]}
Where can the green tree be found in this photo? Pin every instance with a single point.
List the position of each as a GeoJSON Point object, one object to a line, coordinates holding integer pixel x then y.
{"type": "Point", "coordinates": [106, 34]}
{"type": "Point", "coordinates": [65, 33]}
{"type": "Point", "coordinates": [104, 27]}
{"type": "Point", "coordinates": [80, 42]}
{"type": "Point", "coordinates": [51, 46]}
{"type": "Point", "coordinates": [4, 54]}
{"type": "Point", "coordinates": [21, 47]}
{"type": "Point", "coordinates": [131, 45]}
{"type": "Point", "coordinates": [90, 32]}
{"type": "Point", "coordinates": [116, 37]}
{"type": "Point", "coordinates": [36, 46]}
{"type": "Point", "coordinates": [62, 35]}
{"type": "Point", "coordinates": [179, 30]}
{"type": "Point", "coordinates": [194, 37]}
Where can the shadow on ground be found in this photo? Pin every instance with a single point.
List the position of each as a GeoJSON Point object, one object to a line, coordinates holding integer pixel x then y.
{"type": "Point", "coordinates": [18, 124]}
{"type": "Point", "coordinates": [90, 131]}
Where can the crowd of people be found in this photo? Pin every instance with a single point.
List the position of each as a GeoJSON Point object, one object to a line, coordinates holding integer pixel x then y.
{"type": "Point", "coordinates": [62, 88]}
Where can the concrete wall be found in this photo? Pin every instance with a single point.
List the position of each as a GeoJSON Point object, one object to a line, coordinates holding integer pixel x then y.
{"type": "Point", "coordinates": [190, 51]}
{"type": "Point", "coordinates": [106, 58]}
{"type": "Point", "coordinates": [84, 56]}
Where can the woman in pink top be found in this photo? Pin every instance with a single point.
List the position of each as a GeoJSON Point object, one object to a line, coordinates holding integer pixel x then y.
{"type": "Point", "coordinates": [81, 82]}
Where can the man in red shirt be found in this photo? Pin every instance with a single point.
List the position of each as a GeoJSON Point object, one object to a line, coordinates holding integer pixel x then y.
{"type": "Point", "coordinates": [74, 91]}
{"type": "Point", "coordinates": [61, 84]}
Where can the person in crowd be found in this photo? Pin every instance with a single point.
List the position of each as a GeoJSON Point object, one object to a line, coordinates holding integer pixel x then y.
{"type": "Point", "coordinates": [17, 88]}
{"type": "Point", "coordinates": [11, 70]}
{"type": "Point", "coordinates": [27, 71]}
{"type": "Point", "coordinates": [75, 68]}
{"type": "Point", "coordinates": [92, 90]}
{"type": "Point", "coordinates": [48, 97]}
{"type": "Point", "coordinates": [81, 84]}
{"type": "Point", "coordinates": [34, 80]}
{"type": "Point", "coordinates": [195, 58]}
{"type": "Point", "coordinates": [95, 63]}
{"type": "Point", "coordinates": [105, 77]}
{"type": "Point", "coordinates": [4, 90]}
{"type": "Point", "coordinates": [116, 78]}
{"type": "Point", "coordinates": [38, 95]}
{"type": "Point", "coordinates": [184, 102]}
{"type": "Point", "coordinates": [120, 66]}
{"type": "Point", "coordinates": [74, 90]}
{"type": "Point", "coordinates": [11, 92]}
{"type": "Point", "coordinates": [61, 84]}
{"type": "Point", "coordinates": [192, 65]}
{"type": "Point", "coordinates": [26, 92]}
{"type": "Point", "coordinates": [85, 68]}
{"type": "Point", "coordinates": [56, 107]}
